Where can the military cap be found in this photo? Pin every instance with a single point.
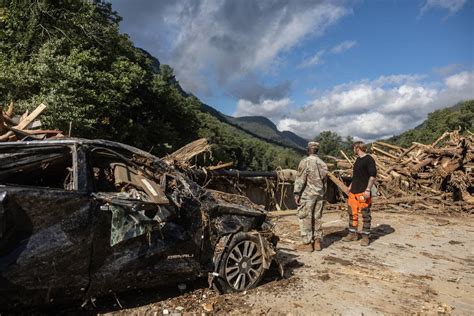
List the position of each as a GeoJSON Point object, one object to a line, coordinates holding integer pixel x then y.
{"type": "Point", "coordinates": [314, 145]}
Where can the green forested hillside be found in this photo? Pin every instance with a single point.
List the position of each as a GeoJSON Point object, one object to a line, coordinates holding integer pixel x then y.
{"type": "Point", "coordinates": [249, 152]}
{"type": "Point", "coordinates": [262, 127]}
{"type": "Point", "coordinates": [71, 56]}
{"type": "Point", "coordinates": [459, 116]}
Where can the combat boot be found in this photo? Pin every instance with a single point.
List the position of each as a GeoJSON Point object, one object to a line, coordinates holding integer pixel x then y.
{"type": "Point", "coordinates": [305, 247]}
{"type": "Point", "coordinates": [365, 241]}
{"type": "Point", "coordinates": [317, 245]}
{"type": "Point", "coordinates": [351, 237]}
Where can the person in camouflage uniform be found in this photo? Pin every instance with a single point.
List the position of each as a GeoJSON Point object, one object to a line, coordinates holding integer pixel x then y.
{"type": "Point", "coordinates": [309, 190]}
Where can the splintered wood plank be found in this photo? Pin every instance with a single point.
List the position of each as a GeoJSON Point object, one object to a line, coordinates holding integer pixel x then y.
{"type": "Point", "coordinates": [383, 152]}
{"type": "Point", "coordinates": [9, 111]}
{"type": "Point", "coordinates": [30, 118]}
{"type": "Point", "coordinates": [347, 158]}
{"type": "Point", "coordinates": [189, 151]}
{"type": "Point", "coordinates": [389, 146]}
{"type": "Point", "coordinates": [338, 182]}
{"type": "Point", "coordinates": [221, 166]}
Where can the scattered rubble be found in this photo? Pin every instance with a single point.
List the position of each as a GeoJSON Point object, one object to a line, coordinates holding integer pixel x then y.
{"type": "Point", "coordinates": [93, 217]}
{"type": "Point", "coordinates": [391, 276]}
{"type": "Point", "coordinates": [431, 177]}
{"type": "Point", "coordinates": [24, 127]}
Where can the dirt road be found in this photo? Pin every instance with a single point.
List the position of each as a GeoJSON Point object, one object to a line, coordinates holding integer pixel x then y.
{"type": "Point", "coordinates": [415, 264]}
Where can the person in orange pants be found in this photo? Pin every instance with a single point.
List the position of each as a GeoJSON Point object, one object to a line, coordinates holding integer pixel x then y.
{"type": "Point", "coordinates": [359, 192]}
{"type": "Point", "coordinates": [359, 204]}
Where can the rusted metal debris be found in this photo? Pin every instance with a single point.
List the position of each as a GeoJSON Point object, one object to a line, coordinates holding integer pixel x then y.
{"type": "Point", "coordinates": [83, 218]}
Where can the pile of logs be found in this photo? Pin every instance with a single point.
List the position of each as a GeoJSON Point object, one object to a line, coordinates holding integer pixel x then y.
{"type": "Point", "coordinates": [435, 177]}
{"type": "Point", "coordinates": [13, 127]}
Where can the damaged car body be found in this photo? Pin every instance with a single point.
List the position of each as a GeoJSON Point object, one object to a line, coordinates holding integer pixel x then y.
{"type": "Point", "coordinates": [83, 218]}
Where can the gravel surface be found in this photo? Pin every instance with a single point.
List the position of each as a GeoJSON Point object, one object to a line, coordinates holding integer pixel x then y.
{"type": "Point", "coordinates": [415, 264]}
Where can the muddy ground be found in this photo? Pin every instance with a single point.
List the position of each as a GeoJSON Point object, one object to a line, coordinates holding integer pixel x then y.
{"type": "Point", "coordinates": [415, 264]}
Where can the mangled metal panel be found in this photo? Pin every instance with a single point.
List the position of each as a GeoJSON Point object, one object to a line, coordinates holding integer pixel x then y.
{"type": "Point", "coordinates": [132, 215]}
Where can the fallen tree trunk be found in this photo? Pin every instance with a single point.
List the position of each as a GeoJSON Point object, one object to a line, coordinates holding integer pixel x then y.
{"type": "Point", "coordinates": [182, 156]}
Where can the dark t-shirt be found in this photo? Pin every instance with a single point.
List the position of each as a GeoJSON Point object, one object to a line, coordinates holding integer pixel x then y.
{"type": "Point", "coordinates": [364, 168]}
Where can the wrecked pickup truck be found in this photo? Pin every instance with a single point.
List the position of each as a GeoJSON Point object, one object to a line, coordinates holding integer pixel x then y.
{"type": "Point", "coordinates": [83, 218]}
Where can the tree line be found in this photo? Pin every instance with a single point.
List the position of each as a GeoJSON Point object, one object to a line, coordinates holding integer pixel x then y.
{"type": "Point", "coordinates": [71, 56]}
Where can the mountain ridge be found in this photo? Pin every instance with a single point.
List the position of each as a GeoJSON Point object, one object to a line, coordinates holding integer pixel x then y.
{"type": "Point", "coordinates": [257, 126]}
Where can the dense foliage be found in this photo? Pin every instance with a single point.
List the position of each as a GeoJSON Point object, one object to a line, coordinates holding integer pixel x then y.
{"type": "Point", "coordinates": [460, 116]}
{"type": "Point", "coordinates": [331, 144]}
{"type": "Point", "coordinates": [249, 153]}
{"type": "Point", "coordinates": [71, 56]}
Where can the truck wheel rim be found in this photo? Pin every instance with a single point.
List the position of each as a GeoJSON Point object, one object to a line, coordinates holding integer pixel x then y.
{"type": "Point", "coordinates": [244, 265]}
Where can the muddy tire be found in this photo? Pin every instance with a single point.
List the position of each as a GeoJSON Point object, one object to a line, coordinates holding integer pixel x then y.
{"type": "Point", "coordinates": [241, 264]}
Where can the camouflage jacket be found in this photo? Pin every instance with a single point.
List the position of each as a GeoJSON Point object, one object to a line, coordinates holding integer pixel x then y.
{"type": "Point", "coordinates": [311, 179]}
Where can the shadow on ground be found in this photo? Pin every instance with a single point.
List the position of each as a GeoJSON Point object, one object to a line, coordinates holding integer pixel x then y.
{"type": "Point", "coordinates": [381, 231]}
{"type": "Point", "coordinates": [336, 234]}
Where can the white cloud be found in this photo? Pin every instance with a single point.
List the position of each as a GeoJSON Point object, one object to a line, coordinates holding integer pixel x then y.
{"type": "Point", "coordinates": [268, 108]}
{"type": "Point", "coordinates": [452, 6]}
{"type": "Point", "coordinates": [398, 79]}
{"type": "Point", "coordinates": [316, 59]}
{"type": "Point", "coordinates": [216, 42]}
{"type": "Point", "coordinates": [460, 81]}
{"type": "Point", "coordinates": [342, 47]}
{"type": "Point", "coordinates": [379, 108]}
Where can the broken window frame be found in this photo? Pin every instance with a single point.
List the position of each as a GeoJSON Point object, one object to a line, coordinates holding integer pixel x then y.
{"type": "Point", "coordinates": [76, 181]}
{"type": "Point", "coordinates": [136, 221]}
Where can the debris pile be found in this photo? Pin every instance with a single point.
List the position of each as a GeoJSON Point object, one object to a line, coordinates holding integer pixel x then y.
{"type": "Point", "coordinates": [24, 127]}
{"type": "Point", "coordinates": [432, 177]}
{"type": "Point", "coordinates": [435, 177]}
{"type": "Point", "coordinates": [270, 189]}
{"type": "Point", "coordinates": [182, 157]}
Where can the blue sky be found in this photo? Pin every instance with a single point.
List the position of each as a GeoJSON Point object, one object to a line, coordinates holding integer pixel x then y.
{"type": "Point", "coordinates": [369, 69]}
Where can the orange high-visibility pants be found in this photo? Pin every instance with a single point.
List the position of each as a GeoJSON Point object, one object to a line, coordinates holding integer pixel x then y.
{"type": "Point", "coordinates": [359, 204]}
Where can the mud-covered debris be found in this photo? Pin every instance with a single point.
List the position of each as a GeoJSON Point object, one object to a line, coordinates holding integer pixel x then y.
{"type": "Point", "coordinates": [93, 217]}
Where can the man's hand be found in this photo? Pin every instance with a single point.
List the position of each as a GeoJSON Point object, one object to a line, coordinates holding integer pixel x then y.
{"type": "Point", "coordinates": [366, 194]}
{"type": "Point", "coordinates": [297, 199]}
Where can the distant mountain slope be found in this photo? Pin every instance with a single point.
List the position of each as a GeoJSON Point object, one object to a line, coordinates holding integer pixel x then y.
{"type": "Point", "coordinates": [262, 127]}
{"type": "Point", "coordinates": [295, 138]}
{"type": "Point", "coordinates": [457, 116]}
{"type": "Point", "coordinates": [257, 126]}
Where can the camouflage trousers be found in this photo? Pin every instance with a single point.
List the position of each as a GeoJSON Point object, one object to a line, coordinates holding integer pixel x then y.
{"type": "Point", "coordinates": [309, 214]}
